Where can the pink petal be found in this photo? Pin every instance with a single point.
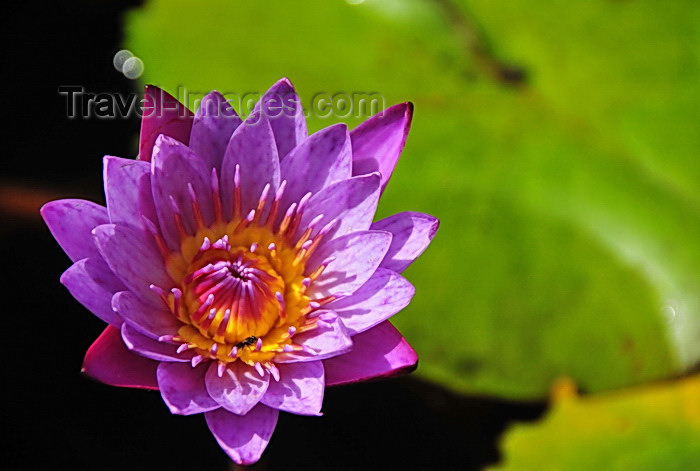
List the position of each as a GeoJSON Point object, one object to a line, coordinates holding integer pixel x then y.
{"type": "Point", "coordinates": [350, 202]}
{"type": "Point", "coordinates": [356, 256]}
{"type": "Point", "coordinates": [93, 284]}
{"type": "Point", "coordinates": [378, 142]}
{"type": "Point", "coordinates": [282, 106]}
{"type": "Point", "coordinates": [385, 294]}
{"type": "Point", "coordinates": [107, 360]}
{"type": "Point", "coordinates": [173, 167]}
{"type": "Point", "coordinates": [378, 352]}
{"type": "Point", "coordinates": [153, 349]}
{"type": "Point", "coordinates": [71, 222]}
{"type": "Point", "coordinates": [330, 338]}
{"type": "Point", "coordinates": [147, 320]}
{"type": "Point", "coordinates": [253, 148]}
{"type": "Point", "coordinates": [243, 437]}
{"type": "Point", "coordinates": [128, 191]}
{"type": "Point", "coordinates": [214, 123]}
{"type": "Point", "coordinates": [239, 389]}
{"type": "Point", "coordinates": [162, 114]}
{"type": "Point", "coordinates": [412, 234]}
{"type": "Point", "coordinates": [133, 257]}
{"type": "Point", "coordinates": [325, 157]}
{"type": "Point", "coordinates": [299, 390]}
{"type": "Point", "coordinates": [183, 388]}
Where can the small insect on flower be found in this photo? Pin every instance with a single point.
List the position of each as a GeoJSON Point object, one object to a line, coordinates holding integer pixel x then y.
{"type": "Point", "coordinates": [247, 342]}
{"type": "Point", "coordinates": [225, 229]}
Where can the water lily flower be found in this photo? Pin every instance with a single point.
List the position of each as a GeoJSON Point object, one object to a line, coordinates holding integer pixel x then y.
{"type": "Point", "coordinates": [237, 262]}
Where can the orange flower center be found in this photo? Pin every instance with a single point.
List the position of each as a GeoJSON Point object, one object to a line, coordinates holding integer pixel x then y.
{"type": "Point", "coordinates": [240, 286]}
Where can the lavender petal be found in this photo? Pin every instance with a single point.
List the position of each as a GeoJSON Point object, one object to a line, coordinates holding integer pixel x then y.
{"type": "Point", "coordinates": [243, 437]}
{"type": "Point", "coordinates": [377, 143]}
{"type": "Point", "coordinates": [214, 123]}
{"type": "Point", "coordinates": [128, 191]}
{"type": "Point", "coordinates": [329, 339]}
{"type": "Point", "coordinates": [324, 158]}
{"type": "Point", "coordinates": [412, 233]}
{"type": "Point", "coordinates": [385, 294]}
{"type": "Point", "coordinates": [239, 389]}
{"type": "Point", "coordinates": [282, 106]}
{"type": "Point", "coordinates": [134, 259]}
{"type": "Point", "coordinates": [299, 390]}
{"type": "Point", "coordinates": [182, 388]}
{"type": "Point", "coordinates": [252, 148]}
{"type": "Point", "coordinates": [173, 168]}
{"type": "Point", "coordinates": [353, 259]}
{"type": "Point", "coordinates": [93, 284]}
{"type": "Point", "coordinates": [150, 321]}
{"type": "Point", "coordinates": [351, 203]}
{"type": "Point", "coordinates": [71, 222]}
{"type": "Point", "coordinates": [150, 348]}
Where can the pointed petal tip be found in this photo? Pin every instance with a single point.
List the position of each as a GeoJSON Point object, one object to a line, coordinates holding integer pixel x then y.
{"type": "Point", "coordinates": [212, 95]}
{"type": "Point", "coordinates": [413, 232]}
{"type": "Point", "coordinates": [287, 119]}
{"type": "Point", "coordinates": [139, 384]}
{"type": "Point", "coordinates": [380, 352]}
{"type": "Point", "coordinates": [149, 89]}
{"type": "Point", "coordinates": [383, 295]}
{"type": "Point", "coordinates": [161, 96]}
{"type": "Point", "coordinates": [434, 228]}
{"type": "Point", "coordinates": [161, 141]}
{"type": "Point", "coordinates": [431, 222]}
{"type": "Point", "coordinates": [408, 114]}
{"type": "Point", "coordinates": [378, 141]}
{"type": "Point", "coordinates": [281, 84]}
{"type": "Point", "coordinates": [165, 145]}
{"type": "Point", "coordinates": [162, 113]}
{"type": "Point", "coordinates": [404, 109]}
{"type": "Point", "coordinates": [406, 370]}
{"type": "Point", "coordinates": [174, 409]}
{"type": "Point", "coordinates": [243, 438]}
{"type": "Point", "coordinates": [107, 360]}
{"type": "Point", "coordinates": [70, 222]}
{"type": "Point", "coordinates": [257, 117]}
{"type": "Point", "coordinates": [45, 210]}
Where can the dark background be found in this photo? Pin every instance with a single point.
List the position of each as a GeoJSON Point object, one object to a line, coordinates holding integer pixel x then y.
{"type": "Point", "coordinates": [55, 417]}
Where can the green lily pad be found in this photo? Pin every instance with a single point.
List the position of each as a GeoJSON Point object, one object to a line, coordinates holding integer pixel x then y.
{"type": "Point", "coordinates": [644, 428]}
{"type": "Point", "coordinates": [570, 204]}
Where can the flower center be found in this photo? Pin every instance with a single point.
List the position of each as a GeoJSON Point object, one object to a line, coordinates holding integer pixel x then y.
{"type": "Point", "coordinates": [233, 296]}
{"type": "Point", "coordinates": [240, 286]}
{"type": "Point", "coordinates": [235, 304]}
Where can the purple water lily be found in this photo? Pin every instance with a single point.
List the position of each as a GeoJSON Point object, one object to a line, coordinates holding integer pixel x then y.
{"type": "Point", "coordinates": [237, 263]}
